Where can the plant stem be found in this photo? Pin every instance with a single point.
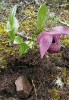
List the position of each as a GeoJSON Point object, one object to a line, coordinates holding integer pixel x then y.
{"type": "Point", "coordinates": [33, 36]}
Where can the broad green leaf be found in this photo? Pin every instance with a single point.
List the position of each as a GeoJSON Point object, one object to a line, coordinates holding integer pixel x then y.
{"type": "Point", "coordinates": [11, 35]}
{"type": "Point", "coordinates": [8, 27]}
{"type": "Point", "coordinates": [41, 16]}
{"type": "Point", "coordinates": [12, 25]}
{"type": "Point", "coordinates": [23, 48]}
{"type": "Point", "coordinates": [18, 40]}
{"type": "Point", "coordinates": [15, 26]}
{"type": "Point", "coordinates": [12, 15]}
{"type": "Point", "coordinates": [12, 30]}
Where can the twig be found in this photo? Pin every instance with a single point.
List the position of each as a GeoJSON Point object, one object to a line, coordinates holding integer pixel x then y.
{"type": "Point", "coordinates": [64, 23]}
{"type": "Point", "coordinates": [20, 34]}
{"type": "Point", "coordinates": [34, 89]}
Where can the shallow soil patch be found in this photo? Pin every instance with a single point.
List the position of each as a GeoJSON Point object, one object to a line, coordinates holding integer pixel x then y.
{"type": "Point", "coordinates": [40, 72]}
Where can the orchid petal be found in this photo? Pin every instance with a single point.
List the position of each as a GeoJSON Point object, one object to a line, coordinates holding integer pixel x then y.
{"type": "Point", "coordinates": [56, 38]}
{"type": "Point", "coordinates": [59, 30]}
{"type": "Point", "coordinates": [49, 41]}
{"type": "Point", "coordinates": [40, 35]}
{"type": "Point", "coordinates": [44, 40]}
{"type": "Point", "coordinates": [54, 48]}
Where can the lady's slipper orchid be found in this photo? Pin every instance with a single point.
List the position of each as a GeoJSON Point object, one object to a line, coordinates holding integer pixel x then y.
{"type": "Point", "coordinates": [49, 41]}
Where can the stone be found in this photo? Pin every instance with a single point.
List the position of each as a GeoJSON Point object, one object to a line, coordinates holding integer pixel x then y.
{"type": "Point", "coordinates": [23, 87]}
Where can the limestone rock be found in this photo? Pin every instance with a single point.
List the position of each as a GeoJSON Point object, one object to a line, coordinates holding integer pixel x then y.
{"type": "Point", "coordinates": [23, 87]}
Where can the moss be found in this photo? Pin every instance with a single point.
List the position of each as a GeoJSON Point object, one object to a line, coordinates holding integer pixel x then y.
{"type": "Point", "coordinates": [30, 22]}
{"type": "Point", "coordinates": [55, 94]}
{"type": "Point", "coordinates": [5, 50]}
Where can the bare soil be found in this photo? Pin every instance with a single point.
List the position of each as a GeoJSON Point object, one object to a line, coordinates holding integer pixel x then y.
{"type": "Point", "coordinates": [36, 69]}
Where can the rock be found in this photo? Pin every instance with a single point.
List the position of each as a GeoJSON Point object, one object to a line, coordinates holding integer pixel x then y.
{"type": "Point", "coordinates": [23, 87]}
{"type": "Point", "coordinates": [11, 98]}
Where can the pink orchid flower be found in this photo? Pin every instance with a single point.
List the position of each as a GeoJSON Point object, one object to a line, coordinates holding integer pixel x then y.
{"type": "Point", "coordinates": [49, 41]}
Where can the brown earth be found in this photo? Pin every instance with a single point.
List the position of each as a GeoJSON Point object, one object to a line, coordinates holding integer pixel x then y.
{"type": "Point", "coordinates": [34, 68]}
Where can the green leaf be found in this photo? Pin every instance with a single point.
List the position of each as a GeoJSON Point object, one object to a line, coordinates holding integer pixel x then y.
{"type": "Point", "coordinates": [8, 27]}
{"type": "Point", "coordinates": [11, 35]}
{"type": "Point", "coordinates": [15, 26]}
{"type": "Point", "coordinates": [41, 16]}
{"type": "Point", "coordinates": [12, 15]}
{"type": "Point", "coordinates": [18, 40]}
{"type": "Point", "coordinates": [12, 30]}
{"type": "Point", "coordinates": [23, 48]}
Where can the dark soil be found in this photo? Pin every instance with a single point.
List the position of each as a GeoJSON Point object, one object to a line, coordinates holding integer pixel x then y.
{"type": "Point", "coordinates": [36, 69]}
